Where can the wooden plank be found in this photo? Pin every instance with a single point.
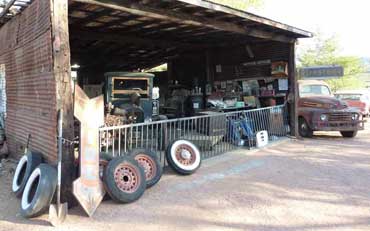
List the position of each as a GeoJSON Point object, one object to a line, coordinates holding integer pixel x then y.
{"type": "Point", "coordinates": [64, 99]}
{"type": "Point", "coordinates": [249, 16]}
{"type": "Point", "coordinates": [293, 91]}
{"type": "Point", "coordinates": [124, 39]}
{"type": "Point", "coordinates": [182, 18]}
{"type": "Point", "coordinates": [88, 188]}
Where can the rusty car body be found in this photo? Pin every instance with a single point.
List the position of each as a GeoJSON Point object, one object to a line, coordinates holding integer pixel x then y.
{"type": "Point", "coordinates": [319, 110]}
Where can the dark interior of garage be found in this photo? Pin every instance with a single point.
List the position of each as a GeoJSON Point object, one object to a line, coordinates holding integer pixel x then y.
{"type": "Point", "coordinates": [222, 61]}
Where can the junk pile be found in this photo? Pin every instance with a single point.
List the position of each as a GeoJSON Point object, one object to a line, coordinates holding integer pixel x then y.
{"type": "Point", "coordinates": [124, 178]}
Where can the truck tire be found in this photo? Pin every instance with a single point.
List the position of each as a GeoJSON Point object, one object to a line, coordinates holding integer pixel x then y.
{"type": "Point", "coordinates": [304, 129]}
{"type": "Point", "coordinates": [39, 191]}
{"type": "Point", "coordinates": [124, 179]}
{"type": "Point", "coordinates": [349, 134]}
{"type": "Point", "coordinates": [24, 169]}
{"type": "Point", "coordinates": [150, 162]}
{"type": "Point", "coordinates": [183, 157]}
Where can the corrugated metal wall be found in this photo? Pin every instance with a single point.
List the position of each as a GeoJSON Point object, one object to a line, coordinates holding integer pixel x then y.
{"type": "Point", "coordinates": [26, 51]}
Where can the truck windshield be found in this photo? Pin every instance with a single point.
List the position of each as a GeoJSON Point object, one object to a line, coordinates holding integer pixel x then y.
{"type": "Point", "coordinates": [314, 90]}
{"type": "Point", "coordinates": [130, 84]}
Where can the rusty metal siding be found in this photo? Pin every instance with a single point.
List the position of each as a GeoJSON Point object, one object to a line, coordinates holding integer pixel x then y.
{"type": "Point", "coordinates": [26, 48]}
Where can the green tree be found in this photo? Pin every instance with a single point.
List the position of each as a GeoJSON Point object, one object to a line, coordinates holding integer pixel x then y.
{"type": "Point", "coordinates": [240, 4]}
{"type": "Point", "coordinates": [325, 52]}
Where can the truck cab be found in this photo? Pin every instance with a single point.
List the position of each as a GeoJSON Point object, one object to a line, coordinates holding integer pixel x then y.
{"type": "Point", "coordinates": [127, 92]}
{"type": "Point", "coordinates": [319, 110]}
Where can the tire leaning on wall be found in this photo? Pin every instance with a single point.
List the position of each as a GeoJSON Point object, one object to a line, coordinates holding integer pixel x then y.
{"type": "Point", "coordinates": [24, 169]}
{"type": "Point", "coordinates": [39, 191]}
{"type": "Point", "coordinates": [183, 157]}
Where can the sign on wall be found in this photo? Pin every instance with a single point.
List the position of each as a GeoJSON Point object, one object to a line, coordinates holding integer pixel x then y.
{"type": "Point", "coordinates": [321, 72]}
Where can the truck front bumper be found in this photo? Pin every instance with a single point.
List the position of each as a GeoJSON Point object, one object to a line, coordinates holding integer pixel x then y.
{"type": "Point", "coordinates": [339, 126]}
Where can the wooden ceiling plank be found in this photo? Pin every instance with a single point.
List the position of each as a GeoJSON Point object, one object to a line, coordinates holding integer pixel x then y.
{"type": "Point", "coordinates": [181, 18]}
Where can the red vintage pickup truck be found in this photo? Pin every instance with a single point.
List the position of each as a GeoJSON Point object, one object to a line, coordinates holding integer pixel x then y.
{"type": "Point", "coordinates": [319, 110]}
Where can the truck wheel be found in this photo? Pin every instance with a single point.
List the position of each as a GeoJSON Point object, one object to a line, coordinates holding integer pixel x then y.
{"type": "Point", "coordinates": [150, 162]}
{"type": "Point", "coordinates": [349, 134]}
{"type": "Point", "coordinates": [304, 129]}
{"type": "Point", "coordinates": [124, 179]}
{"type": "Point", "coordinates": [24, 169]}
{"type": "Point", "coordinates": [39, 191]}
{"type": "Point", "coordinates": [183, 157]}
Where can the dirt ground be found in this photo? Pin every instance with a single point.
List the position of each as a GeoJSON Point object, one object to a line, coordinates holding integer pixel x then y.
{"type": "Point", "coordinates": [314, 184]}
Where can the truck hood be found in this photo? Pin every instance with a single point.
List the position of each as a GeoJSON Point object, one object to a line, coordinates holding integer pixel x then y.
{"type": "Point", "coordinates": [326, 102]}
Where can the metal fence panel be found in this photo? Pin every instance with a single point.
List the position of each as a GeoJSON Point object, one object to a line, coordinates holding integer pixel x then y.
{"type": "Point", "coordinates": [214, 134]}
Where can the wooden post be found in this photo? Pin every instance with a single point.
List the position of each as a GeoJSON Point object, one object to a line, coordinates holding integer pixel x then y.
{"type": "Point", "coordinates": [293, 91]}
{"type": "Point", "coordinates": [64, 94]}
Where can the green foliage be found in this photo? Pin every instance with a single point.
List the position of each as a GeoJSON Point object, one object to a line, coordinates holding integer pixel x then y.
{"type": "Point", "coordinates": [325, 52]}
{"type": "Point", "coordinates": [239, 4]}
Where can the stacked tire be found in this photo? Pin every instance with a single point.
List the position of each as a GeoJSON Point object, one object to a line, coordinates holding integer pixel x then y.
{"type": "Point", "coordinates": [126, 177]}
{"type": "Point", "coordinates": [35, 183]}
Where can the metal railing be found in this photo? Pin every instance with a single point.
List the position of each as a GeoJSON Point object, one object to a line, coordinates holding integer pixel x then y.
{"type": "Point", "coordinates": [214, 134]}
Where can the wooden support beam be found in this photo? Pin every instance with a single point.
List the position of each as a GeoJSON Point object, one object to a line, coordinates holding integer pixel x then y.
{"type": "Point", "coordinates": [293, 92]}
{"type": "Point", "coordinates": [93, 16]}
{"type": "Point", "coordinates": [64, 95]}
{"type": "Point", "coordinates": [125, 39]}
{"type": "Point", "coordinates": [182, 18]}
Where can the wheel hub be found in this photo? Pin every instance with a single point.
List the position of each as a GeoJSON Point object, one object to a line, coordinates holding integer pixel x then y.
{"type": "Point", "coordinates": [185, 154]}
{"type": "Point", "coordinates": [127, 178]}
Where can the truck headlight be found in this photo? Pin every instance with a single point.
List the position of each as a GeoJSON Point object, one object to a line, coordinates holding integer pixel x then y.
{"type": "Point", "coordinates": [355, 116]}
{"type": "Point", "coordinates": [324, 117]}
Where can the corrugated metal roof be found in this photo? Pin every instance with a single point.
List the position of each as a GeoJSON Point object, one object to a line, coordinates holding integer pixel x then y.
{"type": "Point", "coordinates": [10, 8]}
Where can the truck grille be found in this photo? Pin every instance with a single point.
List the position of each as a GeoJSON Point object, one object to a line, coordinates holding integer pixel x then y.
{"type": "Point", "coordinates": [345, 117]}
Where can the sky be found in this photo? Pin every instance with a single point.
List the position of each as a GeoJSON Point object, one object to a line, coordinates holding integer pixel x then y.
{"type": "Point", "coordinates": [349, 20]}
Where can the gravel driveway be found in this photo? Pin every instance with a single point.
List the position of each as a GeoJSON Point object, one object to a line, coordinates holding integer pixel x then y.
{"type": "Point", "coordinates": [314, 184]}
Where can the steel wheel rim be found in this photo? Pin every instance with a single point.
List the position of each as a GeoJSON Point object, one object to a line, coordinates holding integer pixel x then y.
{"type": "Point", "coordinates": [127, 177]}
{"type": "Point", "coordinates": [150, 167]}
{"type": "Point", "coordinates": [185, 154]}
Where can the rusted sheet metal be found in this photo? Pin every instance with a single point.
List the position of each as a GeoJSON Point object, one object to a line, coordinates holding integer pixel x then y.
{"type": "Point", "coordinates": [26, 51]}
{"type": "Point", "coordinates": [89, 189]}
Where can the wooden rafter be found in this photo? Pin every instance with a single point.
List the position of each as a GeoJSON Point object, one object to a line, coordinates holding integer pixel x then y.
{"type": "Point", "coordinates": [183, 18]}
{"type": "Point", "coordinates": [11, 8]}
{"type": "Point", "coordinates": [125, 39]}
{"type": "Point", "coordinates": [254, 18]}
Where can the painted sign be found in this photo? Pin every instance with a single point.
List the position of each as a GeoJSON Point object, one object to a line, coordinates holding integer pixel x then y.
{"type": "Point", "coordinates": [321, 72]}
{"type": "Point", "coordinates": [88, 189]}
